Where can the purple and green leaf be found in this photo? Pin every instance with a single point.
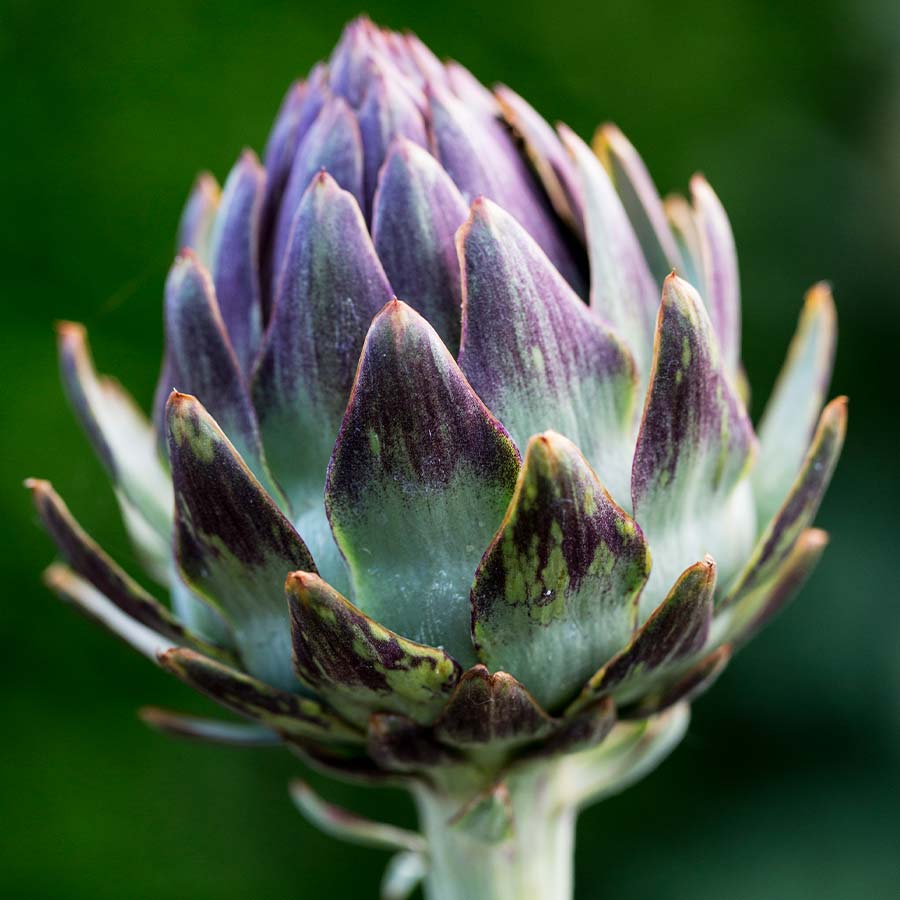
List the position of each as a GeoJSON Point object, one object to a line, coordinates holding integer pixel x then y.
{"type": "Point", "coordinates": [800, 506]}
{"type": "Point", "coordinates": [759, 605]}
{"type": "Point", "coordinates": [686, 230]}
{"type": "Point", "coordinates": [332, 143]}
{"type": "Point", "coordinates": [332, 286]}
{"type": "Point", "coordinates": [97, 607]}
{"type": "Point", "coordinates": [695, 446]}
{"type": "Point", "coordinates": [685, 687]}
{"type": "Point", "coordinates": [200, 358]}
{"type": "Point", "coordinates": [198, 216]}
{"type": "Point", "coordinates": [233, 545]}
{"type": "Point", "coordinates": [491, 710]}
{"type": "Point", "coordinates": [356, 665]}
{"type": "Point", "coordinates": [481, 157]}
{"type": "Point", "coordinates": [547, 156]}
{"type": "Point", "coordinates": [234, 257]}
{"type": "Point", "coordinates": [388, 113]}
{"type": "Point", "coordinates": [676, 630]}
{"type": "Point", "coordinates": [418, 482]}
{"type": "Point", "coordinates": [299, 110]}
{"type": "Point", "coordinates": [579, 731]}
{"type": "Point", "coordinates": [288, 714]}
{"type": "Point", "coordinates": [417, 212]}
{"type": "Point", "coordinates": [91, 563]}
{"type": "Point", "coordinates": [556, 592]}
{"type": "Point", "coordinates": [399, 744]}
{"type": "Point", "coordinates": [789, 420]}
{"type": "Point", "coordinates": [721, 287]}
{"type": "Point", "coordinates": [624, 293]}
{"type": "Point", "coordinates": [640, 199]}
{"type": "Point", "coordinates": [124, 441]}
{"type": "Point", "coordinates": [534, 352]}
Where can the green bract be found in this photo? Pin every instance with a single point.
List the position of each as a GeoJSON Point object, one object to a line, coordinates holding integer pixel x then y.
{"type": "Point", "coordinates": [484, 540]}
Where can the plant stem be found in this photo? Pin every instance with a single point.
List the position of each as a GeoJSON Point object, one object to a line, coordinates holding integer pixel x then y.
{"type": "Point", "coordinates": [532, 861]}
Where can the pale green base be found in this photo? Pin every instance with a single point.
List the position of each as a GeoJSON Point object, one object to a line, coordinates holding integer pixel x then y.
{"type": "Point", "coordinates": [517, 842]}
{"type": "Point", "coordinates": [534, 862]}
{"type": "Point", "coordinates": [495, 828]}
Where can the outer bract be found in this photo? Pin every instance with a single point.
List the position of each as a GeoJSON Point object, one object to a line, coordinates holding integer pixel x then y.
{"type": "Point", "coordinates": [488, 539]}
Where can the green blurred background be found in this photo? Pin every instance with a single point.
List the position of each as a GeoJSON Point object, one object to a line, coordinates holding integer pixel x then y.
{"type": "Point", "coordinates": [788, 785]}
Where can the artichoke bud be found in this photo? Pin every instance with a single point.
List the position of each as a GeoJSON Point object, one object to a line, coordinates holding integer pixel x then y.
{"type": "Point", "coordinates": [457, 467]}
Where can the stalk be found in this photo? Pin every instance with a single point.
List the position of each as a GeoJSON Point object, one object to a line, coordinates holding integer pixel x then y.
{"type": "Point", "coordinates": [515, 843]}
{"type": "Point", "coordinates": [515, 839]}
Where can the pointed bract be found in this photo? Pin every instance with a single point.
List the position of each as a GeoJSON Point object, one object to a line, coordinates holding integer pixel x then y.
{"type": "Point", "coordinates": [348, 826]}
{"type": "Point", "coordinates": [491, 710]}
{"type": "Point", "coordinates": [556, 592]}
{"type": "Point", "coordinates": [119, 432]}
{"type": "Point", "coordinates": [547, 155]}
{"type": "Point", "coordinates": [800, 506]}
{"type": "Point", "coordinates": [358, 666]}
{"type": "Point", "coordinates": [201, 359]}
{"type": "Point", "coordinates": [234, 257]}
{"type": "Point", "coordinates": [758, 605]}
{"type": "Point", "coordinates": [418, 482]}
{"type": "Point", "coordinates": [332, 286]}
{"type": "Point", "coordinates": [399, 744]}
{"type": "Point", "coordinates": [100, 609]}
{"type": "Point", "coordinates": [90, 562]}
{"type": "Point", "coordinates": [623, 291]}
{"type": "Point", "coordinates": [294, 717]}
{"type": "Point", "coordinates": [388, 113]}
{"type": "Point", "coordinates": [480, 156]}
{"type": "Point", "coordinates": [208, 731]}
{"type": "Point", "coordinates": [683, 689]}
{"type": "Point", "coordinates": [676, 630]}
{"type": "Point", "coordinates": [535, 354]}
{"type": "Point", "coordinates": [639, 748]}
{"type": "Point", "coordinates": [695, 446]}
{"type": "Point", "coordinates": [789, 420]}
{"type": "Point", "coordinates": [641, 201]}
{"type": "Point", "coordinates": [198, 216]}
{"type": "Point", "coordinates": [232, 543]}
{"type": "Point", "coordinates": [580, 731]}
{"type": "Point", "coordinates": [332, 143]}
{"type": "Point", "coordinates": [416, 214]}
{"type": "Point", "coordinates": [686, 229]}
{"type": "Point", "coordinates": [299, 110]}
{"type": "Point", "coordinates": [718, 258]}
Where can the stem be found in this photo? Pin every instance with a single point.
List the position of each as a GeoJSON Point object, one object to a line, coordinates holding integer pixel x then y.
{"type": "Point", "coordinates": [517, 841]}
{"type": "Point", "coordinates": [533, 862]}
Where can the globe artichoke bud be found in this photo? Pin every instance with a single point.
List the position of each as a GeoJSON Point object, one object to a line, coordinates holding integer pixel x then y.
{"type": "Point", "coordinates": [485, 541]}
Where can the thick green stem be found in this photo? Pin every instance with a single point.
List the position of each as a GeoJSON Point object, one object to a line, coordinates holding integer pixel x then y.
{"type": "Point", "coordinates": [496, 830]}
{"type": "Point", "coordinates": [515, 840]}
{"type": "Point", "coordinates": [478, 861]}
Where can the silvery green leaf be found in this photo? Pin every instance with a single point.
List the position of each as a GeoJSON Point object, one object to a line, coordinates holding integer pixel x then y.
{"type": "Point", "coordinates": [641, 201]}
{"type": "Point", "coordinates": [555, 595]}
{"type": "Point", "coordinates": [534, 352]}
{"type": "Point", "coordinates": [419, 480]}
{"type": "Point", "coordinates": [233, 545]}
{"type": "Point", "coordinates": [695, 447]}
{"type": "Point", "coordinates": [357, 665]}
{"type": "Point", "coordinates": [789, 419]}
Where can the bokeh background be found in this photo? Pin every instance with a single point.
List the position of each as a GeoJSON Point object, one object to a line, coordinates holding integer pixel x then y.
{"type": "Point", "coordinates": [788, 785]}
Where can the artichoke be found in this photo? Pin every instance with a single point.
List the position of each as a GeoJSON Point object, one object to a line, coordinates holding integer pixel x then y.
{"type": "Point", "coordinates": [411, 538]}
